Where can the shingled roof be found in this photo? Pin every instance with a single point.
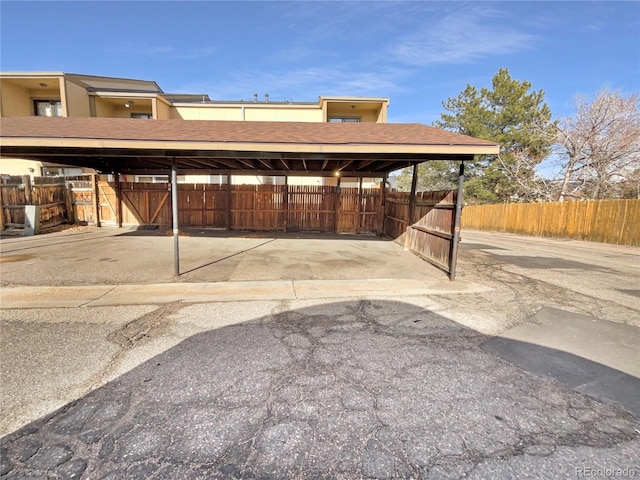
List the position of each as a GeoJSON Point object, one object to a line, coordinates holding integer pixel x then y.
{"type": "Point", "coordinates": [134, 144]}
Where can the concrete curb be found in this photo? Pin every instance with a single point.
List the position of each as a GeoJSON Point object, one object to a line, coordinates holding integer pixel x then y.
{"type": "Point", "coordinates": [107, 295]}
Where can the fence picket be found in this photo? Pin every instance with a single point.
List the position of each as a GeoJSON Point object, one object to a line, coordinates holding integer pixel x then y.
{"type": "Point", "coordinates": [609, 221]}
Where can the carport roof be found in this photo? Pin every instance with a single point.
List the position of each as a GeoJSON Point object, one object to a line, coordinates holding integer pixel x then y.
{"type": "Point", "coordinates": [208, 146]}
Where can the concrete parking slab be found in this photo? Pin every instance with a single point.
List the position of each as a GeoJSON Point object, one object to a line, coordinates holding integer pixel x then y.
{"type": "Point", "coordinates": [124, 256]}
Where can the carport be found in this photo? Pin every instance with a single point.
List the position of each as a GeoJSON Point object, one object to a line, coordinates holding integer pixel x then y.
{"type": "Point", "coordinates": [427, 224]}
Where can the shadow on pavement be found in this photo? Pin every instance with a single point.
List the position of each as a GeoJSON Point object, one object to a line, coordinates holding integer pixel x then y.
{"type": "Point", "coordinates": [156, 231]}
{"type": "Point", "coordinates": [547, 263]}
{"type": "Point", "coordinates": [375, 389]}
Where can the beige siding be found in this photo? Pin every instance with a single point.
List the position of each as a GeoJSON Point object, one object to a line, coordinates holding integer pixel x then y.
{"type": "Point", "coordinates": [15, 166]}
{"type": "Point", "coordinates": [77, 100]}
{"type": "Point", "coordinates": [162, 111]}
{"type": "Point", "coordinates": [276, 113]}
{"type": "Point", "coordinates": [283, 114]}
{"type": "Point", "coordinates": [104, 108]}
{"type": "Point", "coordinates": [369, 116]}
{"type": "Point", "coordinates": [16, 100]}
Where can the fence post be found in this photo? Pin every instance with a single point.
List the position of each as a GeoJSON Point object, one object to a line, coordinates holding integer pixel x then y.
{"type": "Point", "coordinates": [285, 201]}
{"type": "Point", "coordinates": [116, 176]}
{"type": "Point", "coordinates": [68, 202]}
{"type": "Point", "coordinates": [28, 192]}
{"type": "Point", "coordinates": [95, 196]}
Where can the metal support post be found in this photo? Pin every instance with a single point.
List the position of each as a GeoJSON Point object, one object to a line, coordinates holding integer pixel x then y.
{"type": "Point", "coordinates": [412, 195]}
{"type": "Point", "coordinates": [174, 214]}
{"type": "Point", "coordinates": [456, 227]}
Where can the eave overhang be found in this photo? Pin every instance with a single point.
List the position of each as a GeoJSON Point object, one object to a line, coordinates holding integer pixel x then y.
{"type": "Point", "coordinates": [226, 147]}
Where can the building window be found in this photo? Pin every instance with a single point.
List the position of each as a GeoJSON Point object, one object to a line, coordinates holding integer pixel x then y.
{"type": "Point", "coordinates": [344, 119]}
{"type": "Point", "coordinates": [152, 178]}
{"type": "Point", "coordinates": [48, 108]}
{"type": "Point", "coordinates": [146, 116]}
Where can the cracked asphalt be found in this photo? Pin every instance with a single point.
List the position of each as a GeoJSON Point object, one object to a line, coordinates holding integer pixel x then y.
{"type": "Point", "coordinates": [356, 389]}
{"type": "Point", "coordinates": [393, 387]}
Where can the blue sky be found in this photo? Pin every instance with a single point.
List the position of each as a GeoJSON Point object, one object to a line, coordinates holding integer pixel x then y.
{"type": "Point", "coordinates": [416, 53]}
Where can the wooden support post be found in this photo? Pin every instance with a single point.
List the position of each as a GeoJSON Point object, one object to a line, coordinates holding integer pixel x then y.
{"type": "Point", "coordinates": [456, 228]}
{"type": "Point", "coordinates": [95, 196]}
{"type": "Point", "coordinates": [118, 200]}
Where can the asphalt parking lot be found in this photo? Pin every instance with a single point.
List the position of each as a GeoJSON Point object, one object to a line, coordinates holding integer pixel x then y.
{"type": "Point", "coordinates": [373, 382]}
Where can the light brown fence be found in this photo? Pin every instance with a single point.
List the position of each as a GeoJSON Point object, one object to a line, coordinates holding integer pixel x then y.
{"type": "Point", "coordinates": [610, 221]}
{"type": "Point", "coordinates": [49, 193]}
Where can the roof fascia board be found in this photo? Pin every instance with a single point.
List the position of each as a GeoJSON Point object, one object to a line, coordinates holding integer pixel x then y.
{"type": "Point", "coordinates": [355, 99]}
{"type": "Point", "coordinates": [30, 74]}
{"type": "Point", "coordinates": [262, 104]}
{"type": "Point", "coordinates": [123, 94]}
{"type": "Point", "coordinates": [244, 147]}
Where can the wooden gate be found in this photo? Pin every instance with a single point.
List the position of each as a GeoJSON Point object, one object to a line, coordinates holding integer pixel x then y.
{"type": "Point", "coordinates": [425, 227]}
{"type": "Point", "coordinates": [81, 193]}
{"type": "Point", "coordinates": [142, 203]}
{"type": "Point", "coordinates": [107, 204]}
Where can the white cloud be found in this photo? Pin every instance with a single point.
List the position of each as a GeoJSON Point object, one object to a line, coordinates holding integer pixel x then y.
{"type": "Point", "coordinates": [300, 84]}
{"type": "Point", "coordinates": [461, 37]}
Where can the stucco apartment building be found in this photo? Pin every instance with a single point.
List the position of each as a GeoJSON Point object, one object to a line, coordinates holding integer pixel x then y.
{"type": "Point", "coordinates": [57, 94]}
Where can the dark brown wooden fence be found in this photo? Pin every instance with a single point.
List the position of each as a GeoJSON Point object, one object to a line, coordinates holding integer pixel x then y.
{"type": "Point", "coordinates": [235, 207]}
{"type": "Point", "coordinates": [202, 204]}
{"type": "Point", "coordinates": [311, 208]}
{"type": "Point", "coordinates": [609, 221]}
{"type": "Point", "coordinates": [424, 226]}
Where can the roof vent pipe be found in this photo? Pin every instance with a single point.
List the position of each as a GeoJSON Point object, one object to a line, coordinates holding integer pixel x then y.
{"type": "Point", "coordinates": [266, 98]}
{"type": "Point", "coordinates": [255, 97]}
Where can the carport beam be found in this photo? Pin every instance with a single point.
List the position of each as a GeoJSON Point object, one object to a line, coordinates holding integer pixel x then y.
{"type": "Point", "coordinates": [174, 214]}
